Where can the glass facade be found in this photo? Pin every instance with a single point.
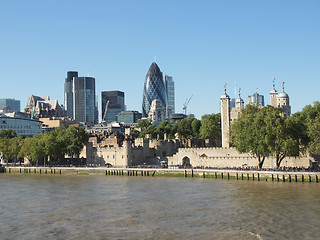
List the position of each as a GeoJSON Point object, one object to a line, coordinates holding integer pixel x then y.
{"type": "Point", "coordinates": [129, 117]}
{"type": "Point", "coordinates": [80, 98]}
{"type": "Point", "coordinates": [256, 99]}
{"type": "Point", "coordinates": [21, 126]}
{"type": "Point", "coordinates": [11, 103]}
{"type": "Point", "coordinates": [154, 88]}
{"type": "Point", "coordinates": [169, 84]}
{"type": "Point", "coordinates": [115, 105]}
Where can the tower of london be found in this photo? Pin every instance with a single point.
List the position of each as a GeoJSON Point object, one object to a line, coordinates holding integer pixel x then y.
{"type": "Point", "coordinates": [229, 114]}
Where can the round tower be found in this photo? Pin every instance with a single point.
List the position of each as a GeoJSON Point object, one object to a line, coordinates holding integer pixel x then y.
{"type": "Point", "coordinates": [283, 102]}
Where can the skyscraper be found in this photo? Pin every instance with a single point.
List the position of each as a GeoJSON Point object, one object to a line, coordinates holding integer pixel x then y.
{"type": "Point", "coordinates": [11, 103]}
{"type": "Point", "coordinates": [169, 84]}
{"type": "Point", "coordinates": [256, 99]}
{"type": "Point", "coordinates": [115, 100]}
{"type": "Point", "coordinates": [80, 98]}
{"type": "Point", "coordinates": [68, 92]}
{"type": "Point", "coordinates": [154, 88]}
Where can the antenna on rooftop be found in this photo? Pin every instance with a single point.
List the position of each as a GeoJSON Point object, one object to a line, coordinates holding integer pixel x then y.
{"type": "Point", "coordinates": [88, 73]}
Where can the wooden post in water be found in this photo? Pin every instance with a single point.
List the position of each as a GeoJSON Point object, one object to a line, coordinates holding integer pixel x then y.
{"type": "Point", "coordinates": [46, 171]}
{"type": "Point", "coordinates": [258, 177]}
{"type": "Point", "coordinates": [106, 172]}
{"type": "Point", "coordinates": [241, 176]}
{"type": "Point", "coordinates": [10, 171]}
{"type": "Point", "coordinates": [296, 178]}
{"type": "Point", "coordinates": [34, 170]}
{"type": "Point", "coordinates": [60, 171]}
{"type": "Point", "coordinates": [221, 175]}
{"type": "Point", "coordinates": [20, 170]}
{"type": "Point", "coordinates": [154, 172]}
{"type": "Point", "coordinates": [283, 178]}
{"type": "Point", "coordinates": [278, 177]}
{"type": "Point", "coordinates": [185, 173]}
{"type": "Point", "coordinates": [252, 176]}
{"type": "Point", "coordinates": [302, 178]}
{"type": "Point", "coordinates": [215, 174]}
{"type": "Point", "coordinates": [247, 176]}
{"type": "Point", "coordinates": [237, 176]}
{"type": "Point", "coordinates": [228, 176]}
{"type": "Point", "coordinates": [40, 170]}
{"type": "Point", "coordinates": [148, 173]}
{"type": "Point", "coordinates": [192, 173]}
{"type": "Point", "coordinates": [272, 177]}
{"type": "Point", "coordinates": [309, 178]}
{"type": "Point", "coordinates": [29, 170]}
{"type": "Point", "coordinates": [289, 177]}
{"type": "Point", "coordinates": [204, 175]}
{"type": "Point", "coordinates": [316, 177]}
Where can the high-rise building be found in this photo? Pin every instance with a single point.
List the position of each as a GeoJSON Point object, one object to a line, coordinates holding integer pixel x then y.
{"type": "Point", "coordinates": [80, 98]}
{"type": "Point", "coordinates": [154, 88]}
{"type": "Point", "coordinates": [11, 103]}
{"type": "Point", "coordinates": [256, 99]}
{"type": "Point", "coordinates": [115, 101]}
{"type": "Point", "coordinates": [129, 116]}
{"type": "Point", "coordinates": [68, 92]}
{"type": "Point", "coordinates": [169, 84]}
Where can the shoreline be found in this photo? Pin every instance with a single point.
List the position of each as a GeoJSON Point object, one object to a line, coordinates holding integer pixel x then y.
{"type": "Point", "coordinates": [228, 174]}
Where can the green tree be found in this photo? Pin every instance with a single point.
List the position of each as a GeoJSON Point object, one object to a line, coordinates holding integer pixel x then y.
{"type": "Point", "coordinates": [76, 138]}
{"type": "Point", "coordinates": [211, 128]}
{"type": "Point", "coordinates": [248, 133]}
{"type": "Point", "coordinates": [184, 129]}
{"type": "Point", "coordinates": [314, 135]}
{"type": "Point", "coordinates": [283, 136]}
{"type": "Point", "coordinates": [196, 125]}
{"type": "Point", "coordinates": [310, 117]}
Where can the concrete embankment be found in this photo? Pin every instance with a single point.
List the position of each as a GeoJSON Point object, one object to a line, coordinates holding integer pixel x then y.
{"type": "Point", "coordinates": [279, 176]}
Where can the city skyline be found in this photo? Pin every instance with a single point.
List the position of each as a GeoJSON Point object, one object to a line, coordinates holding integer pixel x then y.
{"type": "Point", "coordinates": [202, 45]}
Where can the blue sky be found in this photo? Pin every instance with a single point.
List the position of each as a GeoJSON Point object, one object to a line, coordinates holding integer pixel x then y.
{"type": "Point", "coordinates": [202, 44]}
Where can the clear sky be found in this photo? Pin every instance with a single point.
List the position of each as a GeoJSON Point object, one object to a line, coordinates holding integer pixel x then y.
{"type": "Point", "coordinates": [202, 44]}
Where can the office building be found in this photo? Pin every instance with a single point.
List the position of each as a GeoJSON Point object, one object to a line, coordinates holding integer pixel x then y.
{"type": "Point", "coordinates": [21, 126]}
{"type": "Point", "coordinates": [154, 88]}
{"type": "Point", "coordinates": [11, 103]}
{"type": "Point", "coordinates": [80, 98]}
{"type": "Point", "coordinates": [129, 117]}
{"type": "Point", "coordinates": [256, 99]}
{"type": "Point", "coordinates": [169, 84]}
{"type": "Point", "coordinates": [112, 104]}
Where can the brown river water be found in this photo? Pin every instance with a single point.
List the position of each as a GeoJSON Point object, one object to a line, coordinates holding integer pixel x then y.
{"type": "Point", "coordinates": [118, 207]}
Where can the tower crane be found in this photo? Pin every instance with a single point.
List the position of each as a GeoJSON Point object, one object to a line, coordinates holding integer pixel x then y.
{"type": "Point", "coordinates": [105, 112]}
{"type": "Point", "coordinates": [185, 105]}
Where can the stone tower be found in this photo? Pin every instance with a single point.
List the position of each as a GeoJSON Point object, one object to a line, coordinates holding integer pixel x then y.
{"type": "Point", "coordinates": [225, 118]}
{"type": "Point", "coordinates": [273, 96]}
{"type": "Point", "coordinates": [283, 102]}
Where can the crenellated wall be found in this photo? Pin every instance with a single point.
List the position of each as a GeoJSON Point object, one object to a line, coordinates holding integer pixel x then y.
{"type": "Point", "coordinates": [230, 158]}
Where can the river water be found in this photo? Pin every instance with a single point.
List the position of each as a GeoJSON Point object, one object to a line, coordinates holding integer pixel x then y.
{"type": "Point", "coordinates": [114, 207]}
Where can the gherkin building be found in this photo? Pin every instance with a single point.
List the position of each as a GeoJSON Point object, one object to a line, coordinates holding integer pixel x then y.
{"type": "Point", "coordinates": [154, 88]}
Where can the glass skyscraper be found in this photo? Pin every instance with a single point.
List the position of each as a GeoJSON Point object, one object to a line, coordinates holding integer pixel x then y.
{"type": "Point", "coordinates": [80, 98]}
{"type": "Point", "coordinates": [169, 84]}
{"type": "Point", "coordinates": [11, 103]}
{"type": "Point", "coordinates": [115, 105]}
{"type": "Point", "coordinates": [154, 88]}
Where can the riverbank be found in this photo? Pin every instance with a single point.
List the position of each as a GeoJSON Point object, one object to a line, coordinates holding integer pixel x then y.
{"type": "Point", "coordinates": [252, 175]}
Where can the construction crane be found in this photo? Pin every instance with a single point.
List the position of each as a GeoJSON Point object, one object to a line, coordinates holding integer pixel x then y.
{"type": "Point", "coordinates": [185, 105]}
{"type": "Point", "coordinates": [105, 112]}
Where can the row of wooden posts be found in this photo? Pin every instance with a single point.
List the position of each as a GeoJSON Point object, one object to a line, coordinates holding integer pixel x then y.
{"type": "Point", "coordinates": [41, 171]}
{"type": "Point", "coordinates": [274, 177]}
{"type": "Point", "coordinates": [242, 176]}
{"type": "Point", "coordinates": [130, 173]}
